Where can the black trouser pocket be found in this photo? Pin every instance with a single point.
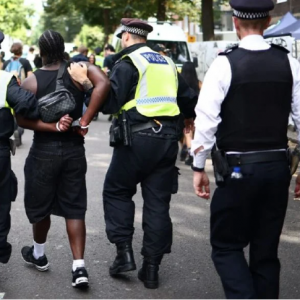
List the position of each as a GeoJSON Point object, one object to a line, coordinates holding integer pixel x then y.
{"type": "Point", "coordinates": [176, 174]}
{"type": "Point", "coordinates": [13, 186]}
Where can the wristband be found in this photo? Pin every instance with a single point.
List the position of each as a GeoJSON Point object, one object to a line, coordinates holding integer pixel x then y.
{"type": "Point", "coordinates": [57, 126]}
{"type": "Point", "coordinates": [200, 170]}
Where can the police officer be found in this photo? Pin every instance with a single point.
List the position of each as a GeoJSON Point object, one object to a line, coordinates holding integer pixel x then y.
{"type": "Point", "coordinates": [245, 101]}
{"type": "Point", "coordinates": [147, 95]}
{"type": "Point", "coordinates": [99, 57]}
{"type": "Point", "coordinates": [24, 103]}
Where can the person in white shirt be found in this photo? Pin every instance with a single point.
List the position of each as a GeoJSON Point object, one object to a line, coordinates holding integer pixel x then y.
{"type": "Point", "coordinates": [31, 56]}
{"type": "Point", "coordinates": [243, 111]}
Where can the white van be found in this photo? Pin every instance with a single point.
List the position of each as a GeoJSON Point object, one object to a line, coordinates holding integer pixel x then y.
{"type": "Point", "coordinates": [168, 34]}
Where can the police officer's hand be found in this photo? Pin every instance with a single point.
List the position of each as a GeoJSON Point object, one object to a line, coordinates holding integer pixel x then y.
{"type": "Point", "coordinates": [78, 72]}
{"type": "Point", "coordinates": [65, 123]}
{"type": "Point", "coordinates": [297, 188]}
{"type": "Point", "coordinates": [188, 125]}
{"type": "Point", "coordinates": [201, 185]}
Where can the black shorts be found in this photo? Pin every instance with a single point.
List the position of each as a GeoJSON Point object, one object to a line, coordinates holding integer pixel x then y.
{"type": "Point", "coordinates": [55, 181]}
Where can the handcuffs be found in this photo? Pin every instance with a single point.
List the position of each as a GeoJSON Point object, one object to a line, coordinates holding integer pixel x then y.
{"type": "Point", "coordinates": [74, 124]}
{"type": "Point", "coordinates": [77, 124]}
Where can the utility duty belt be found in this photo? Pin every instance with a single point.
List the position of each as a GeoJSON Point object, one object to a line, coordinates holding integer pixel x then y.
{"type": "Point", "coordinates": [258, 157]}
{"type": "Point", "coordinates": [121, 131]}
{"type": "Point", "coordinates": [223, 162]}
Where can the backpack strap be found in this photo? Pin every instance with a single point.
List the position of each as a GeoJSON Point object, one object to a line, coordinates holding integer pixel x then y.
{"type": "Point", "coordinates": [9, 65]}
{"type": "Point", "coordinates": [60, 74]}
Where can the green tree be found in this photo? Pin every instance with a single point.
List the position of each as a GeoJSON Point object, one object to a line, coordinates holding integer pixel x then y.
{"type": "Point", "coordinates": [36, 32]}
{"type": "Point", "coordinates": [180, 9]}
{"type": "Point", "coordinates": [91, 37]}
{"type": "Point", "coordinates": [209, 12]}
{"type": "Point", "coordinates": [107, 13]}
{"type": "Point", "coordinates": [13, 16]}
{"type": "Point", "coordinates": [68, 25]}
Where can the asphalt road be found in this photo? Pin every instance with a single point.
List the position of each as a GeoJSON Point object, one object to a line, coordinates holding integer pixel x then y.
{"type": "Point", "coordinates": [186, 273]}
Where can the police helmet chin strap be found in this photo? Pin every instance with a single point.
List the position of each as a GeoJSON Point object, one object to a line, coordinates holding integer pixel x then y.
{"type": "Point", "coordinates": [160, 126]}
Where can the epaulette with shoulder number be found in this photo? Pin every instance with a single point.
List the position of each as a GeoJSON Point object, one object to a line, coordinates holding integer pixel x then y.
{"type": "Point", "coordinates": [229, 50]}
{"type": "Point", "coordinates": [280, 48]}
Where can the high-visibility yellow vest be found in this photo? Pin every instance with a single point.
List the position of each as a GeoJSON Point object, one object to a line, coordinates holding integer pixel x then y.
{"type": "Point", "coordinates": [5, 79]}
{"type": "Point", "coordinates": [156, 92]}
{"type": "Point", "coordinates": [99, 60]}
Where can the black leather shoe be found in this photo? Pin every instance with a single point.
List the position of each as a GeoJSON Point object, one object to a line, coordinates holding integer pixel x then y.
{"type": "Point", "coordinates": [124, 261]}
{"type": "Point", "coordinates": [149, 275]}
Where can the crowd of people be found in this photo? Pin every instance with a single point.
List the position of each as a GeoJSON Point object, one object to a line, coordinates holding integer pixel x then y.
{"type": "Point", "coordinates": [154, 107]}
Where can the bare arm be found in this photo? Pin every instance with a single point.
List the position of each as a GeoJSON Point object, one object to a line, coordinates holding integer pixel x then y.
{"type": "Point", "coordinates": [64, 124]}
{"type": "Point", "coordinates": [101, 88]}
{"type": "Point", "coordinates": [78, 72]}
{"type": "Point", "coordinates": [23, 102]}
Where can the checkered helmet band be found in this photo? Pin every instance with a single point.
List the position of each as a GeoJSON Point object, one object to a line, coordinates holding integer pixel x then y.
{"type": "Point", "coordinates": [134, 30]}
{"type": "Point", "coordinates": [250, 15]}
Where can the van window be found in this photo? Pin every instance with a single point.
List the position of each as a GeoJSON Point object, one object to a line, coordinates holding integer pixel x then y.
{"type": "Point", "coordinates": [178, 50]}
{"type": "Point", "coordinates": [118, 46]}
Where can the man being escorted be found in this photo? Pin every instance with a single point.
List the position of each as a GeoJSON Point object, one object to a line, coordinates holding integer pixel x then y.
{"type": "Point", "coordinates": [148, 95]}
{"type": "Point", "coordinates": [245, 100]}
{"type": "Point", "coordinates": [23, 103]}
{"type": "Point", "coordinates": [55, 169]}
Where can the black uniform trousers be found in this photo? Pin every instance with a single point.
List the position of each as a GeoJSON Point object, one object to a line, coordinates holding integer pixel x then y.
{"type": "Point", "coordinates": [250, 211]}
{"type": "Point", "coordinates": [149, 161]}
{"type": "Point", "coordinates": [7, 190]}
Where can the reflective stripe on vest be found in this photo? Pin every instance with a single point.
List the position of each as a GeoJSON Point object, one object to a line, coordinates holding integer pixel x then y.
{"type": "Point", "coordinates": [5, 79]}
{"type": "Point", "coordinates": [156, 92]}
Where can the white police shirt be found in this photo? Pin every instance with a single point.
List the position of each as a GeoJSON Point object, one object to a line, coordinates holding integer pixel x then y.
{"type": "Point", "coordinates": [214, 90]}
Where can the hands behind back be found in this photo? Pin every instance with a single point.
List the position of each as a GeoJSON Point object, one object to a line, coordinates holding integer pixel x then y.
{"type": "Point", "coordinates": [65, 123]}
{"type": "Point", "coordinates": [81, 131]}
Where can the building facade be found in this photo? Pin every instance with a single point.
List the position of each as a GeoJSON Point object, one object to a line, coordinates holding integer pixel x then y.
{"type": "Point", "coordinates": [284, 6]}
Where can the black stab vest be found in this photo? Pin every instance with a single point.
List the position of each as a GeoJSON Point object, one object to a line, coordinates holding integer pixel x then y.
{"type": "Point", "coordinates": [256, 109]}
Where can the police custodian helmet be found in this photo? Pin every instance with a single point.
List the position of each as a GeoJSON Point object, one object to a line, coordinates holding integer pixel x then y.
{"type": "Point", "coordinates": [135, 26]}
{"type": "Point", "coordinates": [251, 9]}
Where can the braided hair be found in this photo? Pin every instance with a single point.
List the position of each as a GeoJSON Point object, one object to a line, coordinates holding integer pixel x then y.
{"type": "Point", "coordinates": [52, 46]}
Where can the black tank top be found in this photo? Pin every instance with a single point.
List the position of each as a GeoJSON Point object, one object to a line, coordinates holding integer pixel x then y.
{"type": "Point", "coordinates": [46, 84]}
